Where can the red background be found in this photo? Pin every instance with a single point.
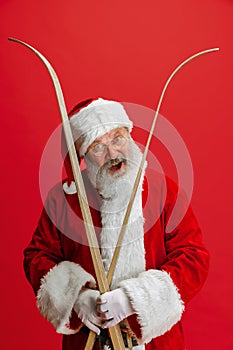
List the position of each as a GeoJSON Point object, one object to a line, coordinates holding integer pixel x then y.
{"type": "Point", "coordinates": [123, 50]}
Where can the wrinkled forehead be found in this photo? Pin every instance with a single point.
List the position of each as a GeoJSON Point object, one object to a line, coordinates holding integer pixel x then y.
{"type": "Point", "coordinates": [122, 131]}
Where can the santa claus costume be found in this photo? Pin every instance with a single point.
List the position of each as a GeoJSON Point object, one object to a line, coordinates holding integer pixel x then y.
{"type": "Point", "coordinates": [159, 271]}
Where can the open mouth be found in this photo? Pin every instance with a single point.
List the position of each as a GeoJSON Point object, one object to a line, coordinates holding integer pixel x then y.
{"type": "Point", "coordinates": [116, 166]}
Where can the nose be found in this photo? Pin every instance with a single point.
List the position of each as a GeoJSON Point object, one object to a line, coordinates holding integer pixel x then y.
{"type": "Point", "coordinates": [111, 153]}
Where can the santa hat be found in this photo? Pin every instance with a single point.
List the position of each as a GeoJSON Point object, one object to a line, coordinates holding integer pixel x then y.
{"type": "Point", "coordinates": [93, 118]}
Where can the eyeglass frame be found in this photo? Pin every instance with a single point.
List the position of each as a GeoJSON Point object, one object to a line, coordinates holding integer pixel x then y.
{"type": "Point", "coordinates": [106, 145]}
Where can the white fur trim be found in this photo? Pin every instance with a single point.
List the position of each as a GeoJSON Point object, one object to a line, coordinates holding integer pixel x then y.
{"type": "Point", "coordinates": [96, 119]}
{"type": "Point", "coordinates": [69, 189]}
{"type": "Point", "coordinates": [156, 300]}
{"type": "Point", "coordinates": [131, 260]}
{"type": "Point", "coordinates": [58, 292]}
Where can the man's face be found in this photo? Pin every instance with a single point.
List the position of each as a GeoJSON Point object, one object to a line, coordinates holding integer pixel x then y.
{"type": "Point", "coordinates": [112, 163]}
{"type": "Point", "coordinates": [111, 149]}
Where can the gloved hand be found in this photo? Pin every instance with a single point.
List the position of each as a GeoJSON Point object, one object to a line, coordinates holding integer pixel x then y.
{"type": "Point", "coordinates": [85, 308]}
{"type": "Point", "coordinates": [113, 307]}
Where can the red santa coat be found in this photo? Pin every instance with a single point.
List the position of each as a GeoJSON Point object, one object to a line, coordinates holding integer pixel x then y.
{"type": "Point", "coordinates": [58, 263]}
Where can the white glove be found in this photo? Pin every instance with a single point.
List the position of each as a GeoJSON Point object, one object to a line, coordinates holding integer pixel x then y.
{"type": "Point", "coordinates": [85, 308]}
{"type": "Point", "coordinates": [113, 307]}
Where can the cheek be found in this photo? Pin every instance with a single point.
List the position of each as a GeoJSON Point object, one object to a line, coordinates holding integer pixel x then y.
{"type": "Point", "coordinates": [124, 151]}
{"type": "Point", "coordinates": [99, 161]}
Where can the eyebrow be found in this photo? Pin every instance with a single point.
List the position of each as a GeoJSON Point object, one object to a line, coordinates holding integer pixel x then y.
{"type": "Point", "coordinates": [118, 132]}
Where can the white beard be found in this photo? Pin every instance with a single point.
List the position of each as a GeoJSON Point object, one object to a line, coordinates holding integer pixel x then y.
{"type": "Point", "coordinates": [115, 192]}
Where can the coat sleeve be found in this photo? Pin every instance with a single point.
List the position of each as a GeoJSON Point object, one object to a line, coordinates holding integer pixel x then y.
{"type": "Point", "coordinates": [159, 295]}
{"type": "Point", "coordinates": [55, 281]}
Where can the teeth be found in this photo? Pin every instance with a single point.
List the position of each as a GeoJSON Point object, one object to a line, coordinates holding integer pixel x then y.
{"type": "Point", "coordinates": [115, 163]}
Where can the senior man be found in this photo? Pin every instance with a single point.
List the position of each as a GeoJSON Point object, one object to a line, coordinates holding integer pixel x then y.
{"type": "Point", "coordinates": [157, 272]}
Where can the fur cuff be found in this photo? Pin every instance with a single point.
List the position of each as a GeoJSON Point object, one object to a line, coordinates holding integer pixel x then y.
{"type": "Point", "coordinates": [58, 292]}
{"type": "Point", "coordinates": [156, 301]}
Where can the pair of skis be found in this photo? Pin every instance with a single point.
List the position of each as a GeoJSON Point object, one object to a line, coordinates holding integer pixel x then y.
{"type": "Point", "coordinates": [103, 280]}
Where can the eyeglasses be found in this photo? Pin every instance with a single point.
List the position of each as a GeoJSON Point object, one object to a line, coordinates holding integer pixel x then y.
{"type": "Point", "coordinates": [101, 148]}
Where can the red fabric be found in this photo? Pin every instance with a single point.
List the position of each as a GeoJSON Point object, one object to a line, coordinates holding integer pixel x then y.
{"type": "Point", "coordinates": [181, 253]}
{"type": "Point", "coordinates": [64, 150]}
